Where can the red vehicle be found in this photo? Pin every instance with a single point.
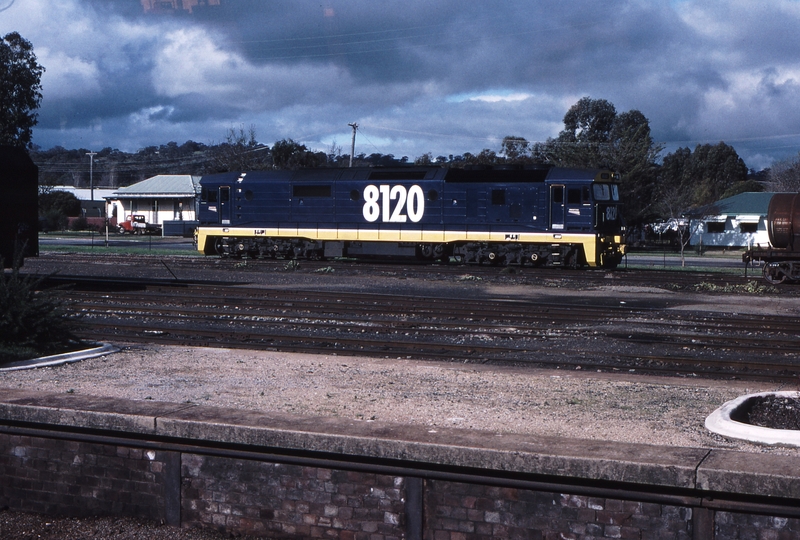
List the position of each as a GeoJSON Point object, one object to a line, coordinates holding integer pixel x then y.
{"type": "Point", "coordinates": [136, 224]}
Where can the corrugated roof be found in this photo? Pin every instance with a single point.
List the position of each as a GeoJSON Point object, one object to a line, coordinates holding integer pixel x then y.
{"type": "Point", "coordinates": [744, 203]}
{"type": "Point", "coordinates": [175, 185]}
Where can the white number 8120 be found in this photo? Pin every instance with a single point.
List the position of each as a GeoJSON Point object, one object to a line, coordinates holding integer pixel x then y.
{"type": "Point", "coordinates": [378, 203]}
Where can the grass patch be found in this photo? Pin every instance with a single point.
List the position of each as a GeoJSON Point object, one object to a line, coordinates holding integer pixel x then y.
{"type": "Point", "coordinates": [751, 287]}
{"type": "Point", "coordinates": [100, 250]}
{"type": "Point", "coordinates": [95, 244]}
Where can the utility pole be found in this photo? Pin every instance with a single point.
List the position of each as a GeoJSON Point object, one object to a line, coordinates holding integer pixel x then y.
{"type": "Point", "coordinates": [353, 144]}
{"type": "Point", "coordinates": [91, 177]}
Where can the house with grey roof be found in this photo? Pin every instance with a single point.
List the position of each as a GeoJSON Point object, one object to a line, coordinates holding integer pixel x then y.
{"type": "Point", "coordinates": [738, 222]}
{"type": "Point", "coordinates": [163, 199]}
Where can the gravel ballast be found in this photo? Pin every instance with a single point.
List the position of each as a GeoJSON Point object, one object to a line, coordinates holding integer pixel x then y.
{"type": "Point", "coordinates": [600, 406]}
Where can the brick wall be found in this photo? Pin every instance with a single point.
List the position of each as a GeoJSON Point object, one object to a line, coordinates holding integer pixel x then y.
{"type": "Point", "coordinates": [738, 526]}
{"type": "Point", "coordinates": [289, 501]}
{"type": "Point", "coordinates": [53, 476]}
{"type": "Point", "coordinates": [466, 511]}
{"type": "Point", "coordinates": [249, 496]}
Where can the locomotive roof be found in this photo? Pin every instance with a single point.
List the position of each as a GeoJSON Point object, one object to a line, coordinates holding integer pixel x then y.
{"type": "Point", "coordinates": [534, 173]}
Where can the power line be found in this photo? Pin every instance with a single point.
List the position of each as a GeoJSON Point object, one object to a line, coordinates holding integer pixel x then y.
{"type": "Point", "coordinates": [417, 38]}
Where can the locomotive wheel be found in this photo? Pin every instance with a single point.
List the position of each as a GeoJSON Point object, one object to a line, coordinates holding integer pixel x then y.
{"type": "Point", "coordinates": [219, 247]}
{"type": "Point", "coordinates": [774, 274]}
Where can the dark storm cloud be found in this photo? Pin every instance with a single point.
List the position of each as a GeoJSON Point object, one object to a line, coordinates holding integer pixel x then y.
{"type": "Point", "coordinates": [419, 76]}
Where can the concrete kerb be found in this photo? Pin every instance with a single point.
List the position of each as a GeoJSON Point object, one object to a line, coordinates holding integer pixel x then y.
{"type": "Point", "coordinates": [291, 435]}
{"type": "Point", "coordinates": [415, 447]}
{"type": "Point", "coordinates": [58, 359]}
{"type": "Point", "coordinates": [721, 422]}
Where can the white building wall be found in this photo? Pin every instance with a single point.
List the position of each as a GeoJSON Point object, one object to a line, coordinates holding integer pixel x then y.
{"type": "Point", "coordinates": [154, 210]}
{"type": "Point", "coordinates": [732, 235]}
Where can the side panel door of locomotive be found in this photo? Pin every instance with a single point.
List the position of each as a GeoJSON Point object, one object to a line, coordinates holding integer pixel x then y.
{"type": "Point", "coordinates": [557, 207]}
{"type": "Point", "coordinates": [578, 214]}
{"type": "Point", "coordinates": [225, 205]}
{"type": "Point", "coordinates": [506, 205]}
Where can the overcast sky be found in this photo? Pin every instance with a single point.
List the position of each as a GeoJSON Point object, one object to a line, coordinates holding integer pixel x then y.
{"type": "Point", "coordinates": [443, 76]}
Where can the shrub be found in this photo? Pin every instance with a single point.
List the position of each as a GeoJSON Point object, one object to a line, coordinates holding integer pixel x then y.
{"type": "Point", "coordinates": [53, 220]}
{"type": "Point", "coordinates": [79, 224]}
{"type": "Point", "coordinates": [33, 321]}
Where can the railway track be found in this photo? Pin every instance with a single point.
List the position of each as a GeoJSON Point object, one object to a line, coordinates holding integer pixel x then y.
{"type": "Point", "coordinates": [190, 267]}
{"type": "Point", "coordinates": [501, 330]}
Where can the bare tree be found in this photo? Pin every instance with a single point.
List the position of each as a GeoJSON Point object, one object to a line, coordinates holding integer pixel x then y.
{"type": "Point", "coordinates": [334, 152]}
{"type": "Point", "coordinates": [785, 175]}
{"type": "Point", "coordinates": [241, 152]}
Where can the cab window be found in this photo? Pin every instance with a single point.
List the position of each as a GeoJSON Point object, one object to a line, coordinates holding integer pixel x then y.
{"type": "Point", "coordinates": [602, 192]}
{"type": "Point", "coordinates": [606, 192]}
{"type": "Point", "coordinates": [209, 195]}
{"type": "Point", "coordinates": [574, 196]}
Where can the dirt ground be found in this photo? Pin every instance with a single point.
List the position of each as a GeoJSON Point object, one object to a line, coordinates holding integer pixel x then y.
{"type": "Point", "coordinates": [623, 407]}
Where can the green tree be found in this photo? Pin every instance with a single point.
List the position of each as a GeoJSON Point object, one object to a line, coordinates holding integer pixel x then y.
{"type": "Point", "coordinates": [714, 169]}
{"type": "Point", "coordinates": [485, 157]}
{"type": "Point", "coordinates": [672, 196]}
{"type": "Point", "coordinates": [595, 136]}
{"type": "Point", "coordinates": [515, 149]}
{"type": "Point", "coordinates": [288, 154]}
{"type": "Point", "coordinates": [424, 159]}
{"type": "Point", "coordinates": [56, 206]}
{"type": "Point", "coordinates": [60, 201]}
{"type": "Point", "coordinates": [633, 154]}
{"type": "Point", "coordinates": [689, 183]}
{"type": "Point", "coordinates": [589, 121]}
{"type": "Point", "coordinates": [20, 90]}
{"type": "Point", "coordinates": [746, 186]}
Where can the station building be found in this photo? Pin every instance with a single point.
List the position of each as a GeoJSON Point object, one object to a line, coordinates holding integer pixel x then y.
{"type": "Point", "coordinates": [736, 222]}
{"type": "Point", "coordinates": [169, 200]}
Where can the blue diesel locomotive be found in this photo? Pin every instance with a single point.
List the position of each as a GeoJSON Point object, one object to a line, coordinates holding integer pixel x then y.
{"type": "Point", "coordinates": [533, 215]}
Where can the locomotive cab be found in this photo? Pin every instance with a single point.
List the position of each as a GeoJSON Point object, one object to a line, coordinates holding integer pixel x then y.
{"type": "Point", "coordinates": [588, 204]}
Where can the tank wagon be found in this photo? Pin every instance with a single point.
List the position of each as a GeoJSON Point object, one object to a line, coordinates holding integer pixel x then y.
{"type": "Point", "coordinates": [19, 206]}
{"type": "Point", "coordinates": [535, 215]}
{"type": "Point", "coordinates": [782, 259]}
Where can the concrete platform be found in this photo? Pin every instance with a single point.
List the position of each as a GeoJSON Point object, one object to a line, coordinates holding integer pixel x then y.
{"type": "Point", "coordinates": [573, 460]}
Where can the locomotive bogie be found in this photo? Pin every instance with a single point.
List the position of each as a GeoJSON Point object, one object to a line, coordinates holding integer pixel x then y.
{"type": "Point", "coordinates": [538, 216]}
